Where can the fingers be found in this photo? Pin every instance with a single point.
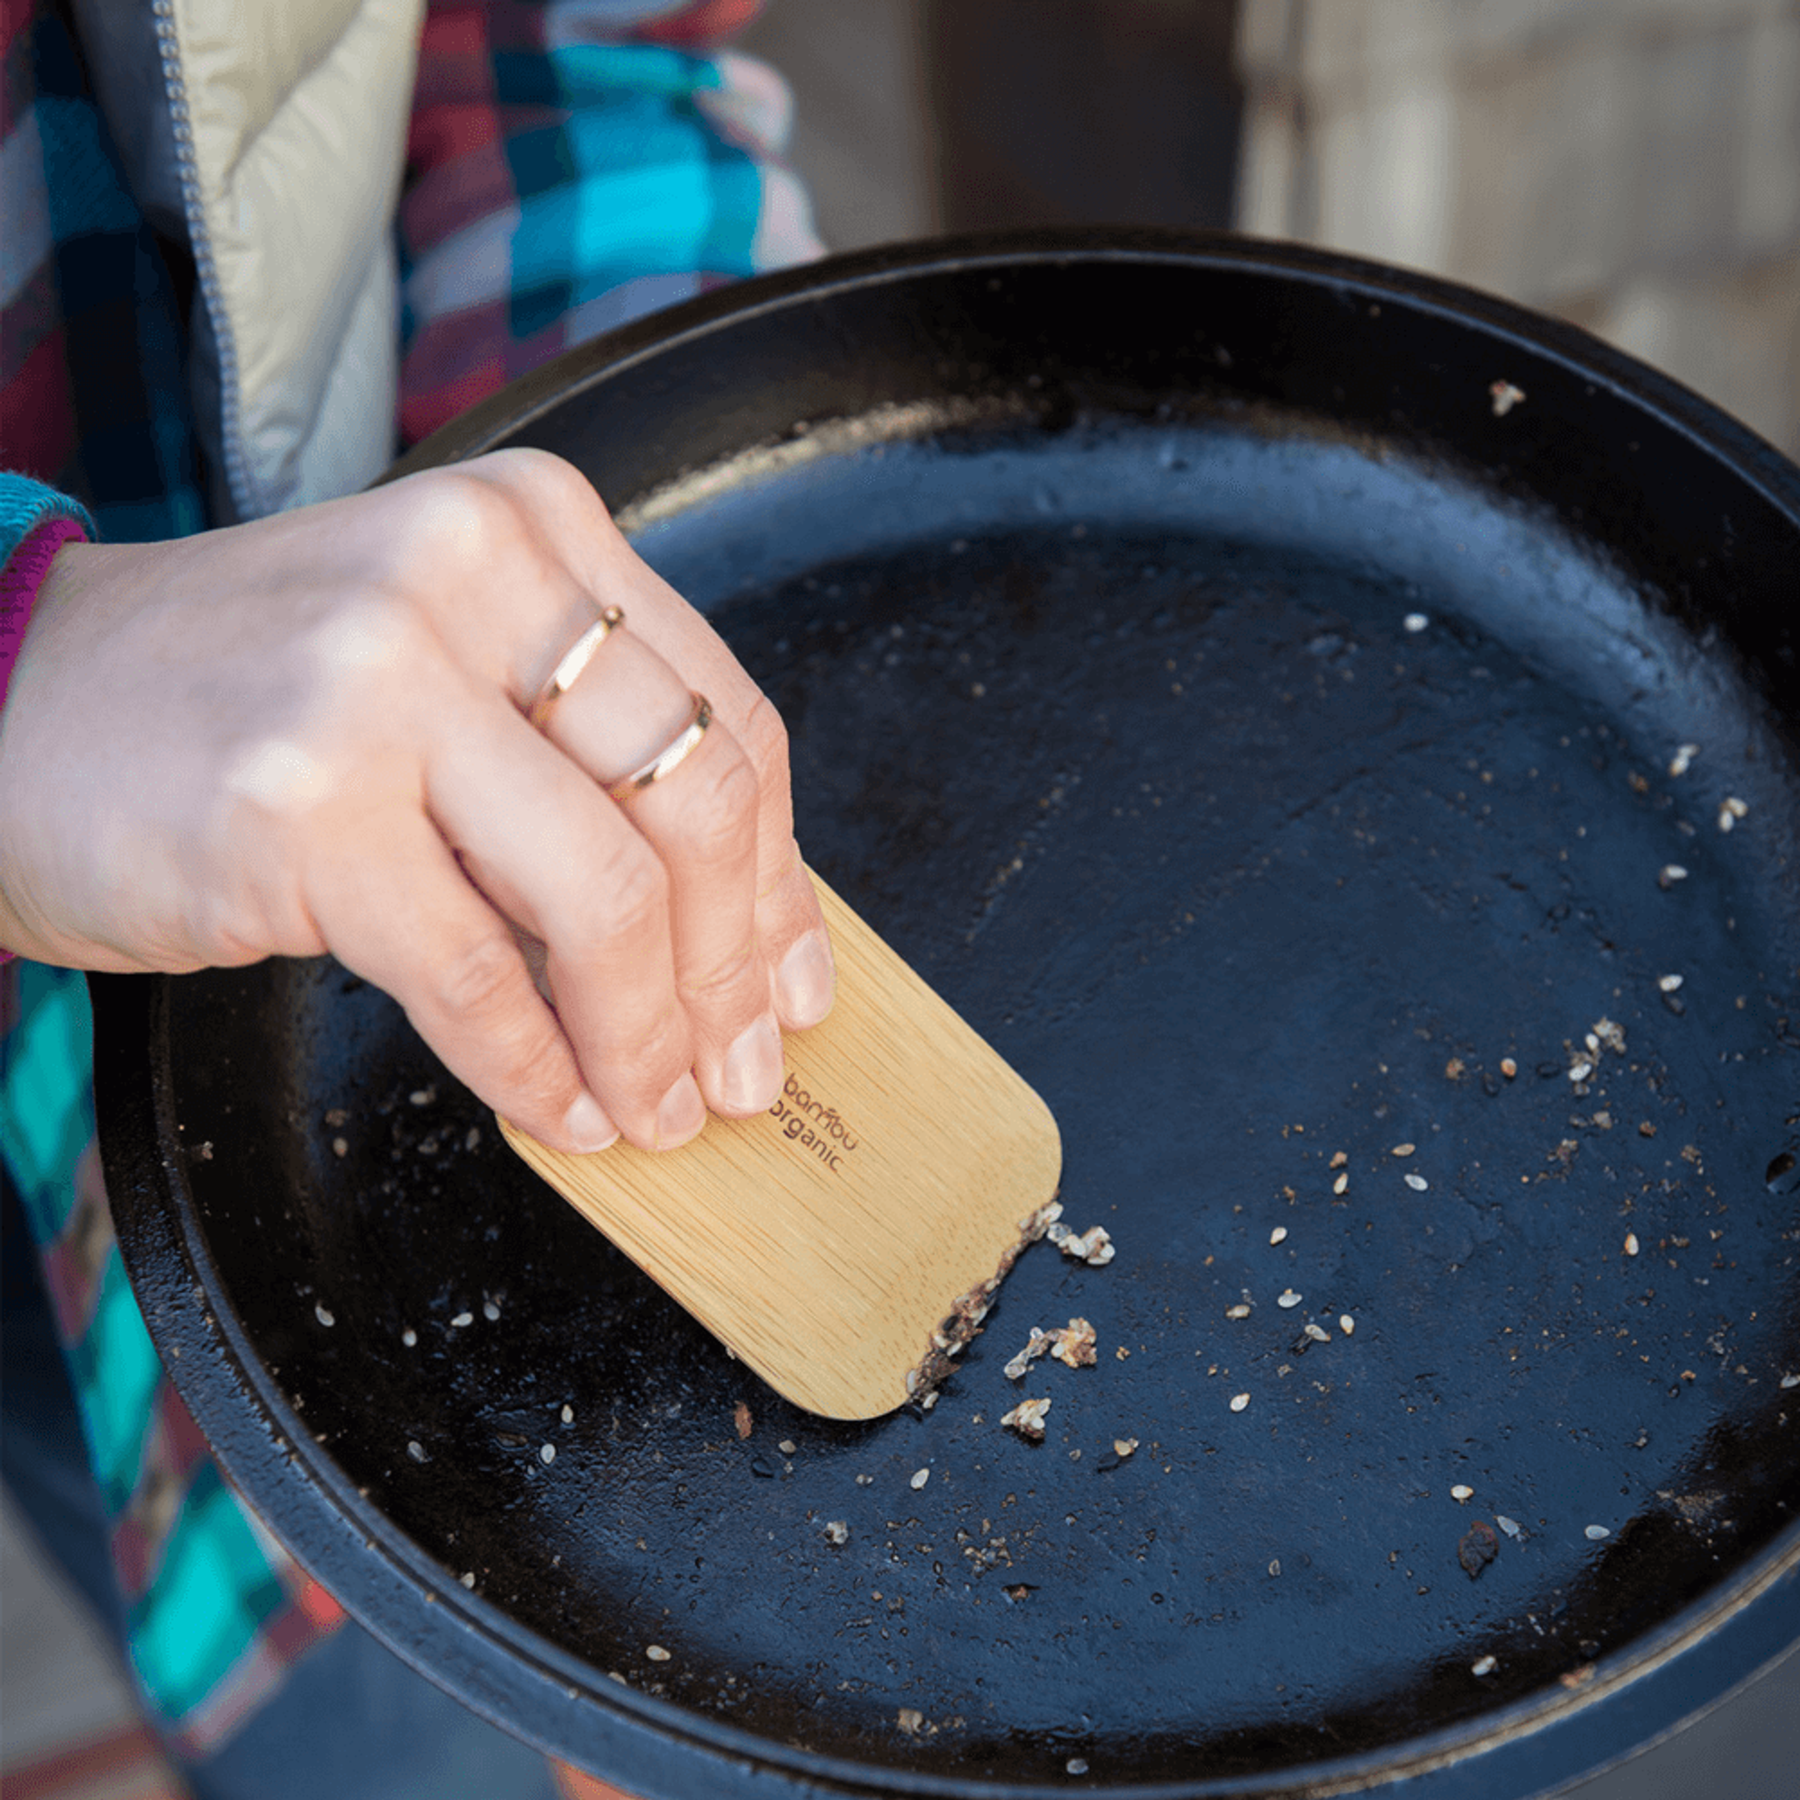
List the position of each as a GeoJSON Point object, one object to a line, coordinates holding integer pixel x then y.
{"type": "Point", "coordinates": [408, 920]}
{"type": "Point", "coordinates": [790, 927]}
{"type": "Point", "coordinates": [543, 842]}
{"type": "Point", "coordinates": [702, 825]}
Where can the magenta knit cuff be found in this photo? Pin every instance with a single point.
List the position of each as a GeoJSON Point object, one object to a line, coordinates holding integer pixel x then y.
{"type": "Point", "coordinates": [19, 583]}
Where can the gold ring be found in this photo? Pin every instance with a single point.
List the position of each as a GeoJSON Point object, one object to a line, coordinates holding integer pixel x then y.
{"type": "Point", "coordinates": [668, 760]}
{"type": "Point", "coordinates": [568, 671]}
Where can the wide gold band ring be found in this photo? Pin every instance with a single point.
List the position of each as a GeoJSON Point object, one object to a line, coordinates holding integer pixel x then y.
{"type": "Point", "coordinates": [574, 660]}
{"type": "Point", "coordinates": [670, 758]}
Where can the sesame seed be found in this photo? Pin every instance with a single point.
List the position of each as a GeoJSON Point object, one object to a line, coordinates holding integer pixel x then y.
{"type": "Point", "coordinates": [467, 1578]}
{"type": "Point", "coordinates": [1462, 1492]}
{"type": "Point", "coordinates": [1346, 1325]}
{"type": "Point", "coordinates": [1597, 1532]}
{"type": "Point", "coordinates": [787, 1446]}
{"type": "Point", "coordinates": [1669, 983]}
{"type": "Point", "coordinates": [340, 1146]}
{"type": "Point", "coordinates": [462, 1319]}
{"type": "Point", "coordinates": [1240, 1311]}
{"type": "Point", "coordinates": [1317, 1333]}
{"type": "Point", "coordinates": [1790, 1381]}
{"type": "Point", "coordinates": [422, 1096]}
{"type": "Point", "coordinates": [920, 1477]}
{"type": "Point", "coordinates": [568, 1414]}
{"type": "Point", "coordinates": [1288, 1298]}
{"type": "Point", "coordinates": [1076, 1765]}
{"type": "Point", "coordinates": [1580, 1070]}
{"type": "Point", "coordinates": [656, 1653]}
{"type": "Point", "coordinates": [1341, 1185]}
{"type": "Point", "coordinates": [409, 1337]}
{"type": "Point", "coordinates": [1508, 1067]}
{"type": "Point", "coordinates": [1415, 621]}
{"type": "Point", "coordinates": [1417, 1183]}
{"type": "Point", "coordinates": [1239, 1402]}
{"type": "Point", "coordinates": [1486, 1666]}
{"type": "Point", "coordinates": [325, 1318]}
{"type": "Point", "coordinates": [489, 1310]}
{"type": "Point", "coordinates": [1123, 1447]}
{"type": "Point", "coordinates": [1631, 1243]}
{"type": "Point", "coordinates": [547, 1453]}
{"type": "Point", "coordinates": [1405, 1149]}
{"type": "Point", "coordinates": [1510, 1526]}
{"type": "Point", "coordinates": [1678, 763]}
{"type": "Point", "coordinates": [1669, 874]}
{"type": "Point", "coordinates": [415, 1449]}
{"type": "Point", "coordinates": [1278, 1235]}
{"type": "Point", "coordinates": [1338, 1160]}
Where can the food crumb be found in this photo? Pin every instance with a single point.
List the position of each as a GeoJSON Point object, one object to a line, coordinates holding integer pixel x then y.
{"type": "Point", "coordinates": [1076, 1765]}
{"type": "Point", "coordinates": [422, 1096]}
{"type": "Point", "coordinates": [1477, 1547]}
{"type": "Point", "coordinates": [1669, 983]}
{"type": "Point", "coordinates": [787, 1447]}
{"type": "Point", "coordinates": [1462, 1492]}
{"type": "Point", "coordinates": [920, 1477]}
{"type": "Point", "coordinates": [1123, 1447]}
{"type": "Point", "coordinates": [1503, 397]}
{"type": "Point", "coordinates": [656, 1653]}
{"type": "Point", "coordinates": [325, 1318]}
{"type": "Point", "coordinates": [340, 1146]}
{"type": "Point", "coordinates": [1239, 1402]}
{"type": "Point", "coordinates": [1731, 809]}
{"type": "Point", "coordinates": [742, 1420]}
{"type": "Point", "coordinates": [1093, 1246]}
{"type": "Point", "coordinates": [467, 1578]}
{"type": "Point", "coordinates": [1288, 1298]}
{"type": "Point", "coordinates": [1631, 1243]}
{"type": "Point", "coordinates": [1678, 763]}
{"type": "Point", "coordinates": [1346, 1325]}
{"type": "Point", "coordinates": [1027, 1419]}
{"type": "Point", "coordinates": [1074, 1345]}
{"type": "Point", "coordinates": [1240, 1311]}
{"type": "Point", "coordinates": [837, 1531]}
{"type": "Point", "coordinates": [910, 1720]}
{"type": "Point", "coordinates": [1278, 1235]}
{"type": "Point", "coordinates": [1415, 622]}
{"type": "Point", "coordinates": [1486, 1666]}
{"type": "Point", "coordinates": [1669, 874]}
{"type": "Point", "coordinates": [1339, 1159]}
{"type": "Point", "coordinates": [462, 1319]}
{"type": "Point", "coordinates": [1508, 1067]}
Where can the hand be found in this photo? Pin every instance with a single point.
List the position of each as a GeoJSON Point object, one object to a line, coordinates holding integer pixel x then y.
{"type": "Point", "coordinates": [306, 735]}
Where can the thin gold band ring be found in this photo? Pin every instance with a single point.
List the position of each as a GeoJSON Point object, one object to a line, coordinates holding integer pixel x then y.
{"type": "Point", "coordinates": [569, 669]}
{"type": "Point", "coordinates": [670, 758]}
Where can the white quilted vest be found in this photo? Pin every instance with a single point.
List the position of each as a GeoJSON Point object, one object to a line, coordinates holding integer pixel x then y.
{"type": "Point", "coordinates": [271, 133]}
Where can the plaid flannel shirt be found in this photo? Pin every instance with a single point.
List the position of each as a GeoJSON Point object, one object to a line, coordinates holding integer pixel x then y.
{"type": "Point", "coordinates": [573, 163]}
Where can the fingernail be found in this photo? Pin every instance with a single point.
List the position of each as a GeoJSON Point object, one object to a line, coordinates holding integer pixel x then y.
{"type": "Point", "coordinates": [751, 1077]}
{"type": "Point", "coordinates": [805, 983]}
{"type": "Point", "coordinates": [588, 1126]}
{"type": "Point", "coordinates": [681, 1114]}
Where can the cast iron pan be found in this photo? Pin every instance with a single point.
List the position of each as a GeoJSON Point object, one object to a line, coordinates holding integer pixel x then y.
{"type": "Point", "coordinates": [1263, 738]}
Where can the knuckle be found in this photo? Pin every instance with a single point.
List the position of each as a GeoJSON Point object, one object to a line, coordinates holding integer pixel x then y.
{"type": "Point", "coordinates": [719, 812]}
{"type": "Point", "coordinates": [629, 895]}
{"type": "Point", "coordinates": [480, 978]}
{"type": "Point", "coordinates": [765, 741]}
{"type": "Point", "coordinates": [456, 515]}
{"type": "Point", "coordinates": [720, 986]}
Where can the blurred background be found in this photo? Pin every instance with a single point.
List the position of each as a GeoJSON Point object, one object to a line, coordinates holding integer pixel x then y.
{"type": "Point", "coordinates": [1631, 165]}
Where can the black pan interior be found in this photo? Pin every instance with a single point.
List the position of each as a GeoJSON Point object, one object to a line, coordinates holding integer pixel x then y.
{"type": "Point", "coordinates": [1266, 743]}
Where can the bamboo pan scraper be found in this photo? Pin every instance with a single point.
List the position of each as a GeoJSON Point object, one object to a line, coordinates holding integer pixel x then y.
{"type": "Point", "coordinates": [828, 1241]}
